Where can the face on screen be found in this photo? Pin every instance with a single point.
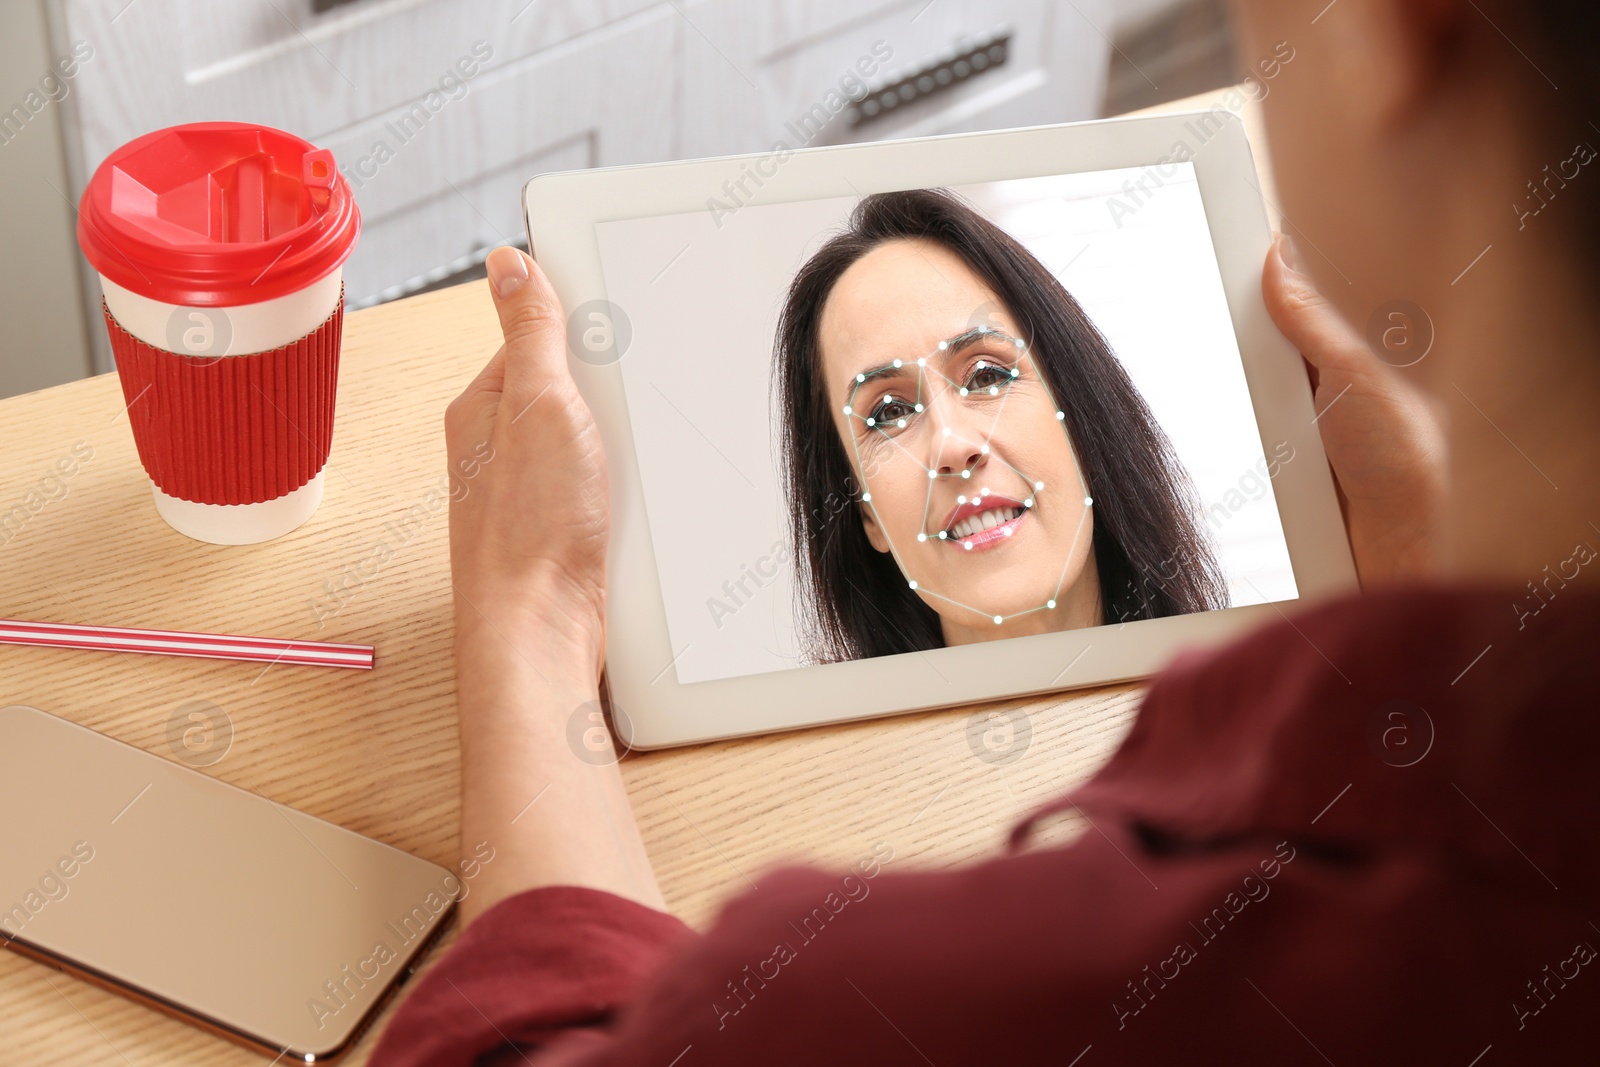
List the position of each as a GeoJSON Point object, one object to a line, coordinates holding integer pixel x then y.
{"type": "Point", "coordinates": [937, 417]}
{"type": "Point", "coordinates": [968, 473]}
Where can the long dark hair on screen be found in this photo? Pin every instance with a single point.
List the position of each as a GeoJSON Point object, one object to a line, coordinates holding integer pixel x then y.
{"type": "Point", "coordinates": [1151, 549]}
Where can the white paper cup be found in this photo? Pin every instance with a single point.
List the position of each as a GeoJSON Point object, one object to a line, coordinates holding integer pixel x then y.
{"type": "Point", "coordinates": [220, 248]}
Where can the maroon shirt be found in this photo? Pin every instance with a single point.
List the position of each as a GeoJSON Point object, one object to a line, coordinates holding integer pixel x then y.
{"type": "Point", "coordinates": [1364, 835]}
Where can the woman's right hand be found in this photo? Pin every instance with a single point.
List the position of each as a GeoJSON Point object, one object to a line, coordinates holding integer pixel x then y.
{"type": "Point", "coordinates": [1382, 439]}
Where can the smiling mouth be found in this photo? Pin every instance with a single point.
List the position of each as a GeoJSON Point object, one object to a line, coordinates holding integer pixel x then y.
{"type": "Point", "coordinates": [974, 526]}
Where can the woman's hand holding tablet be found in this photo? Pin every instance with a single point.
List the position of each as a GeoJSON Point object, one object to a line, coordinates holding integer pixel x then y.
{"type": "Point", "coordinates": [528, 527]}
{"type": "Point", "coordinates": [1383, 440]}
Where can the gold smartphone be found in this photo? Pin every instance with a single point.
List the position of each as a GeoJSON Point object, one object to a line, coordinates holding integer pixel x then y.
{"type": "Point", "coordinates": [257, 922]}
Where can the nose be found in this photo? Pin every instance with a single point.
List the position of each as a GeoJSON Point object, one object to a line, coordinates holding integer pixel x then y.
{"type": "Point", "coordinates": [958, 443]}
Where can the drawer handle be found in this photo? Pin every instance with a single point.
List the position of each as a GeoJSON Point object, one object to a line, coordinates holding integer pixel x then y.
{"type": "Point", "coordinates": [937, 76]}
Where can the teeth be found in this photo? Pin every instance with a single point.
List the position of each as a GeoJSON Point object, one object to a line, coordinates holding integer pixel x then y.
{"type": "Point", "coordinates": [988, 520]}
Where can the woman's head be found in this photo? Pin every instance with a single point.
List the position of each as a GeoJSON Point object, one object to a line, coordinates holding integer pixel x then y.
{"type": "Point", "coordinates": [960, 445]}
{"type": "Point", "coordinates": [1408, 136]}
{"type": "Point", "coordinates": [1443, 155]}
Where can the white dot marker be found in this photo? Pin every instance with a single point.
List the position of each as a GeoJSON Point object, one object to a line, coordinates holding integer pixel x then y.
{"type": "Point", "coordinates": [947, 431]}
{"type": "Point", "coordinates": [967, 545]}
{"type": "Point", "coordinates": [963, 390]}
{"type": "Point", "coordinates": [866, 498]}
{"type": "Point", "coordinates": [961, 500]}
{"type": "Point", "coordinates": [847, 410]}
{"type": "Point", "coordinates": [1088, 501]}
{"type": "Point", "coordinates": [913, 585]}
{"type": "Point", "coordinates": [994, 390]}
{"type": "Point", "coordinates": [917, 408]}
{"type": "Point", "coordinates": [897, 363]}
{"type": "Point", "coordinates": [943, 345]}
{"type": "Point", "coordinates": [1017, 341]}
{"type": "Point", "coordinates": [985, 491]}
{"type": "Point", "coordinates": [1006, 531]}
{"type": "Point", "coordinates": [966, 474]}
{"type": "Point", "coordinates": [1051, 604]}
{"type": "Point", "coordinates": [871, 421]}
{"type": "Point", "coordinates": [943, 535]}
{"type": "Point", "coordinates": [900, 423]}
{"type": "Point", "coordinates": [922, 362]}
{"type": "Point", "coordinates": [860, 378]}
{"type": "Point", "coordinates": [933, 474]}
{"type": "Point", "coordinates": [920, 537]}
{"type": "Point", "coordinates": [1028, 503]}
{"type": "Point", "coordinates": [1061, 415]}
{"type": "Point", "coordinates": [998, 620]}
{"type": "Point", "coordinates": [1038, 485]}
{"type": "Point", "coordinates": [984, 450]}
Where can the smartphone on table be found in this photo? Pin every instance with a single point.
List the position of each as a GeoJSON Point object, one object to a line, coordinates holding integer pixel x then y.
{"type": "Point", "coordinates": [259, 923]}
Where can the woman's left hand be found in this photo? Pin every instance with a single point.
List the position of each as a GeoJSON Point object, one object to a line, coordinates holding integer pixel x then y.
{"type": "Point", "coordinates": [528, 529]}
{"type": "Point", "coordinates": [528, 515]}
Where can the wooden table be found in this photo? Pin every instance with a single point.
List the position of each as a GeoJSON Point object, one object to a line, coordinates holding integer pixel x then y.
{"type": "Point", "coordinates": [376, 751]}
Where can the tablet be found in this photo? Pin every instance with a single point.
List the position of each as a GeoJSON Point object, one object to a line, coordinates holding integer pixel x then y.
{"type": "Point", "coordinates": [920, 423]}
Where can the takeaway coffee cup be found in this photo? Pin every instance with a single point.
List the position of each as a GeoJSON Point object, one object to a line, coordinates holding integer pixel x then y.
{"type": "Point", "coordinates": [220, 248]}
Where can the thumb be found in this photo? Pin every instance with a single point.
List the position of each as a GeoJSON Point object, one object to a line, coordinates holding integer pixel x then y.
{"type": "Point", "coordinates": [1306, 317]}
{"type": "Point", "coordinates": [531, 320]}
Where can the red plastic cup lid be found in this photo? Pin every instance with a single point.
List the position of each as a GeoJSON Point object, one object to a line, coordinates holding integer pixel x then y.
{"type": "Point", "coordinates": [215, 214]}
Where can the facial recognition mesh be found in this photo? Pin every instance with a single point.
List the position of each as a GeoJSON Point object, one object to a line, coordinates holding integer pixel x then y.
{"type": "Point", "coordinates": [903, 420]}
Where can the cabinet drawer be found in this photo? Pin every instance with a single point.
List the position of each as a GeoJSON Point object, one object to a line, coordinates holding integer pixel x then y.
{"type": "Point", "coordinates": [437, 170]}
{"type": "Point", "coordinates": [752, 73]}
{"type": "Point", "coordinates": [281, 63]}
{"type": "Point", "coordinates": [440, 185]}
{"type": "Point", "coordinates": [448, 231]}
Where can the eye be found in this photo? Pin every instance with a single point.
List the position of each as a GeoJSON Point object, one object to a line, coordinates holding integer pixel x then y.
{"type": "Point", "coordinates": [988, 377]}
{"type": "Point", "coordinates": [890, 410]}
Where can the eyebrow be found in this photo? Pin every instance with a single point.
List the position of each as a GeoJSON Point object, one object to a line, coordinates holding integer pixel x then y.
{"type": "Point", "coordinates": [952, 346]}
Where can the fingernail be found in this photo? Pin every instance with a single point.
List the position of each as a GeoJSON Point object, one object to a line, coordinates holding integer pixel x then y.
{"type": "Point", "coordinates": [508, 270]}
{"type": "Point", "coordinates": [1288, 253]}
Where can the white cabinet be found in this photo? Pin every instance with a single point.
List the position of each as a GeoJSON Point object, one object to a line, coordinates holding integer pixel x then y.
{"type": "Point", "coordinates": [439, 110]}
{"type": "Point", "coordinates": [752, 73]}
{"type": "Point", "coordinates": [279, 62]}
{"type": "Point", "coordinates": [436, 111]}
{"type": "Point", "coordinates": [450, 188]}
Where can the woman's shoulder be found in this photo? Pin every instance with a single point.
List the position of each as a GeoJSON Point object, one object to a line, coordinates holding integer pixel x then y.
{"type": "Point", "coordinates": [1378, 716]}
{"type": "Point", "coordinates": [1463, 645]}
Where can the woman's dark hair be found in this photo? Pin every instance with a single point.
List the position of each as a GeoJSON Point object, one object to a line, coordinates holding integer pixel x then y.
{"type": "Point", "coordinates": [1151, 551]}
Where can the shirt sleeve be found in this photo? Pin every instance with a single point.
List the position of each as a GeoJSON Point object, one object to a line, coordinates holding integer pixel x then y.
{"type": "Point", "coordinates": [550, 962]}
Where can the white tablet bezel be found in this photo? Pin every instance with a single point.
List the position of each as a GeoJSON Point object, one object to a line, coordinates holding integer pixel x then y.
{"type": "Point", "coordinates": [561, 211]}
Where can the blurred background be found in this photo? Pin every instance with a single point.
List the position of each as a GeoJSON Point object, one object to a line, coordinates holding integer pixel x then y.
{"type": "Point", "coordinates": [439, 110]}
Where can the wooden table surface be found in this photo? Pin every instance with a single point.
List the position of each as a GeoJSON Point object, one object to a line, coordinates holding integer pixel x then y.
{"type": "Point", "coordinates": [376, 751]}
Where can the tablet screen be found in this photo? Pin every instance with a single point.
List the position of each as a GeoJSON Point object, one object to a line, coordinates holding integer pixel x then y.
{"type": "Point", "coordinates": [882, 424]}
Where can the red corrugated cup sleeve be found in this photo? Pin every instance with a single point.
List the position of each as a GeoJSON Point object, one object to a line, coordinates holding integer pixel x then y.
{"type": "Point", "coordinates": [231, 429]}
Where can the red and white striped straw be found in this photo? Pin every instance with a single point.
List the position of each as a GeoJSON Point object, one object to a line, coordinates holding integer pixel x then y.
{"type": "Point", "coordinates": [181, 643]}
